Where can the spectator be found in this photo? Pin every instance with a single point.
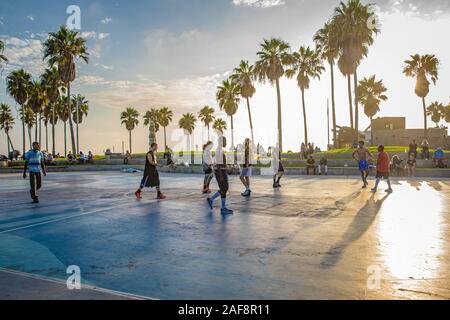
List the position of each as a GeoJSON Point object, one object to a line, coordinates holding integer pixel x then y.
{"type": "Point", "coordinates": [425, 150]}
{"type": "Point", "coordinates": [90, 158]}
{"type": "Point", "coordinates": [413, 148]}
{"type": "Point", "coordinates": [81, 157]}
{"type": "Point", "coordinates": [323, 166]}
{"type": "Point", "coordinates": [70, 157]}
{"type": "Point", "coordinates": [439, 158]}
{"type": "Point", "coordinates": [127, 157]}
{"type": "Point", "coordinates": [411, 165]}
{"type": "Point", "coordinates": [310, 165]}
{"type": "Point", "coordinates": [49, 159]}
{"type": "Point", "coordinates": [396, 166]}
{"type": "Point", "coordinates": [303, 151]}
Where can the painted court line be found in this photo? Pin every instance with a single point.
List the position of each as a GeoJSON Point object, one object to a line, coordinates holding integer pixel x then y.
{"type": "Point", "coordinates": [85, 287]}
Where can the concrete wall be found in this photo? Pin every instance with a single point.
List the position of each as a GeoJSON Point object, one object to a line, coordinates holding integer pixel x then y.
{"type": "Point", "coordinates": [403, 137]}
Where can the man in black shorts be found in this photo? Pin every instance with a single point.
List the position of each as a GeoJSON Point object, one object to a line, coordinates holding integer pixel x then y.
{"type": "Point", "coordinates": [151, 174]}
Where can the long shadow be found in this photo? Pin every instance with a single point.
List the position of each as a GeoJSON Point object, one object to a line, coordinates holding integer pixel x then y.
{"type": "Point", "coordinates": [360, 224]}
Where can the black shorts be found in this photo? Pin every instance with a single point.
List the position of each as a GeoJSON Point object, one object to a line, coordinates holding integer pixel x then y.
{"type": "Point", "coordinates": [280, 167]}
{"type": "Point", "coordinates": [382, 175]}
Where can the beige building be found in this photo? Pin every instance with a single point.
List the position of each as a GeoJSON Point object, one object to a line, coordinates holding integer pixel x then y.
{"type": "Point", "coordinates": [392, 131]}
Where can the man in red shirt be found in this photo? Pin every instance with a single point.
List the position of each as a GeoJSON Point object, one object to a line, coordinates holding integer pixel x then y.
{"type": "Point", "coordinates": [383, 168]}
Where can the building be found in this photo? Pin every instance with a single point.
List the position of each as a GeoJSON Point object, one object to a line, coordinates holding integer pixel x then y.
{"type": "Point", "coordinates": [392, 131]}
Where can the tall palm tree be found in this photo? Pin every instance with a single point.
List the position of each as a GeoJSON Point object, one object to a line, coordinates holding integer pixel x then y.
{"type": "Point", "coordinates": [437, 112]}
{"type": "Point", "coordinates": [47, 118]}
{"type": "Point", "coordinates": [187, 123]}
{"type": "Point", "coordinates": [228, 97]}
{"type": "Point", "coordinates": [306, 64]}
{"type": "Point", "coordinates": [37, 100]}
{"type": "Point", "coordinates": [2, 56]}
{"type": "Point", "coordinates": [421, 67]}
{"type": "Point", "coordinates": [447, 113]}
{"type": "Point", "coordinates": [151, 120]}
{"type": "Point", "coordinates": [353, 35]}
{"type": "Point", "coordinates": [220, 126]}
{"type": "Point", "coordinates": [17, 83]}
{"type": "Point", "coordinates": [326, 45]}
{"type": "Point", "coordinates": [51, 116]}
{"type": "Point", "coordinates": [370, 94]}
{"type": "Point", "coordinates": [64, 115]}
{"type": "Point", "coordinates": [270, 66]}
{"type": "Point", "coordinates": [62, 49]}
{"type": "Point", "coordinates": [52, 84]}
{"type": "Point", "coordinates": [243, 76]}
{"type": "Point", "coordinates": [206, 116]}
{"type": "Point", "coordinates": [6, 123]}
{"type": "Point", "coordinates": [81, 109]}
{"type": "Point", "coordinates": [165, 118]}
{"type": "Point", "coordinates": [130, 118]}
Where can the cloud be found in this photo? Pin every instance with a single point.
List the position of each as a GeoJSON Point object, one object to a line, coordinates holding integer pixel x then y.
{"type": "Point", "coordinates": [24, 53]}
{"type": "Point", "coordinates": [106, 20]}
{"type": "Point", "coordinates": [94, 35]}
{"type": "Point", "coordinates": [103, 35]}
{"type": "Point", "coordinates": [30, 17]}
{"type": "Point", "coordinates": [416, 7]}
{"type": "Point", "coordinates": [183, 95]}
{"type": "Point", "coordinates": [259, 3]}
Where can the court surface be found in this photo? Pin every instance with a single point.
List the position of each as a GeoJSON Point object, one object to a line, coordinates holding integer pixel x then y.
{"type": "Point", "coordinates": [315, 238]}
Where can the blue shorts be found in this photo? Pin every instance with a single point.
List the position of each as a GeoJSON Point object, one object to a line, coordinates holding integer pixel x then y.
{"type": "Point", "coordinates": [246, 172]}
{"type": "Point", "coordinates": [363, 165]}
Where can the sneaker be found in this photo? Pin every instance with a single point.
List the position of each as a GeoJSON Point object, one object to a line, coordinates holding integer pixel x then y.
{"type": "Point", "coordinates": [389, 190]}
{"type": "Point", "coordinates": [373, 190]}
{"type": "Point", "coordinates": [36, 200]}
{"type": "Point", "coordinates": [364, 186]}
{"type": "Point", "coordinates": [205, 191]}
{"type": "Point", "coordinates": [161, 196]}
{"type": "Point", "coordinates": [138, 195]}
{"type": "Point", "coordinates": [226, 211]}
{"type": "Point", "coordinates": [208, 191]}
{"type": "Point", "coordinates": [210, 203]}
{"type": "Point", "coordinates": [246, 193]}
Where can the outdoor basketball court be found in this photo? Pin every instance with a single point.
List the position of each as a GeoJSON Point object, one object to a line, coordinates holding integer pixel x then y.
{"type": "Point", "coordinates": [321, 238]}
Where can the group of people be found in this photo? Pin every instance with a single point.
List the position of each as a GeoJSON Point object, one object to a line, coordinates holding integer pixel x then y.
{"type": "Point", "coordinates": [306, 150]}
{"type": "Point", "coordinates": [81, 157]}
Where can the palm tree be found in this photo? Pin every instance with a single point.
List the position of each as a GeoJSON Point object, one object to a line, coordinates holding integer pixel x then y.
{"type": "Point", "coordinates": [270, 67]}
{"type": "Point", "coordinates": [370, 94]}
{"type": "Point", "coordinates": [305, 64]}
{"type": "Point", "coordinates": [64, 115]}
{"type": "Point", "coordinates": [2, 56]}
{"type": "Point", "coordinates": [6, 123]}
{"type": "Point", "coordinates": [30, 120]}
{"type": "Point", "coordinates": [447, 113]}
{"type": "Point", "coordinates": [165, 118]}
{"type": "Point", "coordinates": [47, 118]}
{"type": "Point", "coordinates": [37, 100]}
{"type": "Point", "coordinates": [228, 97]}
{"type": "Point", "coordinates": [325, 44]}
{"type": "Point", "coordinates": [206, 116]}
{"type": "Point", "coordinates": [220, 126]}
{"type": "Point", "coordinates": [437, 112]}
{"type": "Point", "coordinates": [52, 84]}
{"type": "Point", "coordinates": [187, 123]}
{"type": "Point", "coordinates": [17, 83]}
{"type": "Point", "coordinates": [130, 118]}
{"type": "Point", "coordinates": [151, 120]}
{"type": "Point", "coordinates": [81, 110]}
{"type": "Point", "coordinates": [243, 76]}
{"type": "Point", "coordinates": [420, 67]}
{"type": "Point", "coordinates": [62, 49]}
{"type": "Point", "coordinates": [353, 36]}
{"type": "Point", "coordinates": [51, 116]}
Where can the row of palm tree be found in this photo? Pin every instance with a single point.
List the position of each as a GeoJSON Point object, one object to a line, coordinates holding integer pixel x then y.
{"type": "Point", "coordinates": [49, 97]}
{"type": "Point", "coordinates": [154, 119]}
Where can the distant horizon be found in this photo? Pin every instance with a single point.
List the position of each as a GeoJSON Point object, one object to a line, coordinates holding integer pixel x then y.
{"type": "Point", "coordinates": [176, 54]}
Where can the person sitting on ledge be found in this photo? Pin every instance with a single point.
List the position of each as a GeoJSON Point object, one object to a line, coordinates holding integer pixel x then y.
{"type": "Point", "coordinates": [127, 157]}
{"type": "Point", "coordinates": [90, 158]}
{"type": "Point", "coordinates": [310, 165]}
{"type": "Point", "coordinates": [439, 159]}
{"type": "Point", "coordinates": [323, 166]}
{"type": "Point", "coordinates": [70, 157]}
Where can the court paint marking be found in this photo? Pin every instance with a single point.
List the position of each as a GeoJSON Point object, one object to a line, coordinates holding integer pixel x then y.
{"type": "Point", "coordinates": [87, 287]}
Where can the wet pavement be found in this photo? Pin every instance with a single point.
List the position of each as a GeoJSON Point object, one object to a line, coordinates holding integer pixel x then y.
{"type": "Point", "coordinates": [315, 238]}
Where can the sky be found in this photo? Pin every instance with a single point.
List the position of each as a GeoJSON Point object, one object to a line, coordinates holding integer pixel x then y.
{"type": "Point", "coordinates": [156, 53]}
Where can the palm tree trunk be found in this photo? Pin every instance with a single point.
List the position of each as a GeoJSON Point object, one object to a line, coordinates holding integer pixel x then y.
{"type": "Point", "coordinates": [165, 139]}
{"type": "Point", "coordinates": [36, 129]}
{"type": "Point", "coordinates": [53, 130]}
{"type": "Point", "coordinates": [209, 139]}
{"type": "Point", "coordinates": [371, 134]}
{"type": "Point", "coordinates": [23, 132]}
{"type": "Point", "coordinates": [350, 99]}
{"type": "Point", "coordinates": [40, 128]}
{"type": "Point", "coordinates": [65, 138]}
{"type": "Point", "coordinates": [46, 137]}
{"type": "Point", "coordinates": [280, 124]}
{"type": "Point", "coordinates": [78, 121]}
{"type": "Point", "coordinates": [232, 133]}
{"type": "Point", "coordinates": [250, 119]}
{"type": "Point", "coordinates": [7, 143]}
{"type": "Point", "coordinates": [304, 117]}
{"type": "Point", "coordinates": [72, 135]}
{"type": "Point", "coordinates": [425, 125]}
{"type": "Point", "coordinates": [333, 106]}
{"type": "Point", "coordinates": [355, 83]}
{"type": "Point", "coordinates": [10, 141]}
{"type": "Point", "coordinates": [131, 150]}
{"type": "Point", "coordinates": [29, 136]}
